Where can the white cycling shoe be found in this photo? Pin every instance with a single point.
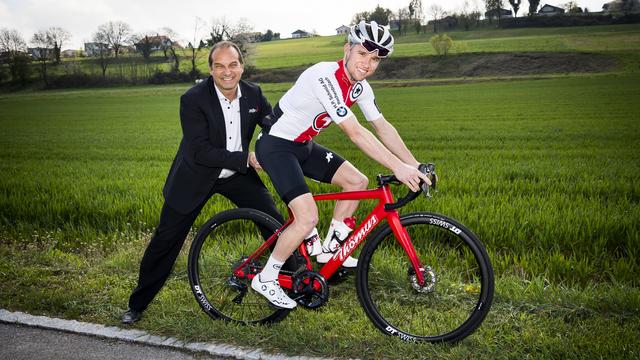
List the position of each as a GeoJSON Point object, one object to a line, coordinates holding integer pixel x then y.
{"type": "Point", "coordinates": [273, 292]}
{"type": "Point", "coordinates": [324, 258]}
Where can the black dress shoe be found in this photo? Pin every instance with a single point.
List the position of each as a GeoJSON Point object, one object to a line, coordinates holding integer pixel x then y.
{"type": "Point", "coordinates": [131, 316]}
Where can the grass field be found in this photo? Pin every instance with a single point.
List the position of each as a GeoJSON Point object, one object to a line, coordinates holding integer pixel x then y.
{"type": "Point", "coordinates": [616, 39]}
{"type": "Point", "coordinates": [546, 172]}
{"type": "Point", "coordinates": [582, 39]}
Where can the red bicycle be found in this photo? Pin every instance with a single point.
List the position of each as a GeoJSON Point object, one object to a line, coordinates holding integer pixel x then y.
{"type": "Point", "coordinates": [421, 276]}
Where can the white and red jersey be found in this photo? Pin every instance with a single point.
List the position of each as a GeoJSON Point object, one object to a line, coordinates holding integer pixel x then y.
{"type": "Point", "coordinates": [321, 95]}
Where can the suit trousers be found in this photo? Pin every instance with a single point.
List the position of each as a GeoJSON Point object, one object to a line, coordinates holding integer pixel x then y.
{"type": "Point", "coordinates": [164, 247]}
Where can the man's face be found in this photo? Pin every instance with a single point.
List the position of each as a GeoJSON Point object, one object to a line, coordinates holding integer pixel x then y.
{"type": "Point", "coordinates": [360, 63]}
{"type": "Point", "coordinates": [226, 68]}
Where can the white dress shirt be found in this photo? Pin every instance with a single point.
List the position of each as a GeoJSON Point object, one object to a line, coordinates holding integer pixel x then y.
{"type": "Point", "coordinates": [231, 111]}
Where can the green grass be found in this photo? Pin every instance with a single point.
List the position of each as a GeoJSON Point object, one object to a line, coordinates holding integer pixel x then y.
{"type": "Point", "coordinates": [545, 172]}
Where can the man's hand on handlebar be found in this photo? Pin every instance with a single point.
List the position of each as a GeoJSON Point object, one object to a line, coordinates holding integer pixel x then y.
{"type": "Point", "coordinates": [411, 176]}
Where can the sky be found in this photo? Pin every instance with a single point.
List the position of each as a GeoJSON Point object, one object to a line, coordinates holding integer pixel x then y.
{"type": "Point", "coordinates": [82, 17]}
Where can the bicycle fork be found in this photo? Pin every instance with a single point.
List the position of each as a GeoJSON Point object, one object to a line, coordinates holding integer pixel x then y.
{"type": "Point", "coordinates": [402, 236]}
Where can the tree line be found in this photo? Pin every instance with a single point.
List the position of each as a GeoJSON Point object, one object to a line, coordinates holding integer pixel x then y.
{"type": "Point", "coordinates": [114, 38]}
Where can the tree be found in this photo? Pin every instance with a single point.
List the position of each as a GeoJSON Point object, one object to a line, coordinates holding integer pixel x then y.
{"type": "Point", "coordinates": [220, 30]}
{"type": "Point", "coordinates": [515, 4]}
{"type": "Point", "coordinates": [195, 45]}
{"type": "Point", "coordinates": [267, 36]}
{"type": "Point", "coordinates": [57, 37]}
{"type": "Point", "coordinates": [115, 34]}
{"type": "Point", "coordinates": [533, 7]}
{"type": "Point", "coordinates": [494, 5]}
{"type": "Point", "coordinates": [167, 45]}
{"type": "Point", "coordinates": [465, 16]}
{"type": "Point", "coordinates": [43, 44]}
{"type": "Point", "coordinates": [361, 16]}
{"type": "Point", "coordinates": [572, 7]}
{"type": "Point", "coordinates": [437, 13]}
{"type": "Point", "coordinates": [417, 14]}
{"type": "Point", "coordinates": [380, 15]}
{"type": "Point", "coordinates": [441, 43]}
{"type": "Point", "coordinates": [241, 35]}
{"type": "Point", "coordinates": [402, 18]}
{"type": "Point", "coordinates": [629, 6]}
{"type": "Point", "coordinates": [144, 44]}
{"type": "Point", "coordinates": [12, 48]}
{"type": "Point", "coordinates": [103, 51]}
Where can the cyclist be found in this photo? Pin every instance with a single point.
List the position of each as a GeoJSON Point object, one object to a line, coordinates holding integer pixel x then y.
{"type": "Point", "coordinates": [323, 94]}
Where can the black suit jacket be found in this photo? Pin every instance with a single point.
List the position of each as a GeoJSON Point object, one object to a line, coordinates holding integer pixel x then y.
{"type": "Point", "coordinates": [202, 153]}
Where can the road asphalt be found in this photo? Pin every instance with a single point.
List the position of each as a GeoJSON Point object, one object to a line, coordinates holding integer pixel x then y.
{"type": "Point", "coordinates": [26, 343]}
{"type": "Point", "coordinates": [25, 336]}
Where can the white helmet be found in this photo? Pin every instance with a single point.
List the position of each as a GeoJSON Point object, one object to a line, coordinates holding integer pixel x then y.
{"type": "Point", "coordinates": [373, 37]}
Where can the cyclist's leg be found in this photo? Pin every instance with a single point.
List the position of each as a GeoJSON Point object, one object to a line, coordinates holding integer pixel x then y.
{"type": "Point", "coordinates": [349, 179]}
{"type": "Point", "coordinates": [326, 166]}
{"type": "Point", "coordinates": [305, 214]}
{"type": "Point", "coordinates": [281, 160]}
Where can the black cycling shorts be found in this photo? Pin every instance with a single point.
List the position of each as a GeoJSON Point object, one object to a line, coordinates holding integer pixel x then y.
{"type": "Point", "coordinates": [288, 162]}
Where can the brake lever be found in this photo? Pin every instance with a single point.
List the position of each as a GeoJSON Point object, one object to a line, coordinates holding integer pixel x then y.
{"type": "Point", "coordinates": [430, 171]}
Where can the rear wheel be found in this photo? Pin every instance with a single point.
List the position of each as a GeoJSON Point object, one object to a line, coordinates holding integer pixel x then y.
{"type": "Point", "coordinates": [459, 285]}
{"type": "Point", "coordinates": [222, 244]}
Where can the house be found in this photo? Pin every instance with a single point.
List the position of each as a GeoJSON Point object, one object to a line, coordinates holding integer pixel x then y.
{"type": "Point", "coordinates": [493, 14]}
{"type": "Point", "coordinates": [300, 34]}
{"type": "Point", "coordinates": [549, 10]}
{"type": "Point", "coordinates": [69, 53]}
{"type": "Point", "coordinates": [342, 30]}
{"type": "Point", "coordinates": [156, 43]}
{"type": "Point", "coordinates": [94, 48]}
{"type": "Point", "coordinates": [37, 53]}
{"type": "Point", "coordinates": [446, 22]}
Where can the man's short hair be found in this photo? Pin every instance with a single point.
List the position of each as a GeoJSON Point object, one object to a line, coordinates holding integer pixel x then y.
{"type": "Point", "coordinates": [225, 44]}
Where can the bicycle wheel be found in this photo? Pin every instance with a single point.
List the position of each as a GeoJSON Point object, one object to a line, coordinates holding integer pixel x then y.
{"type": "Point", "coordinates": [459, 288]}
{"type": "Point", "coordinates": [222, 244]}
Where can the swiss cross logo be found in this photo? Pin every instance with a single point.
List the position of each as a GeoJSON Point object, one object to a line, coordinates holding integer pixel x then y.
{"type": "Point", "coordinates": [356, 91]}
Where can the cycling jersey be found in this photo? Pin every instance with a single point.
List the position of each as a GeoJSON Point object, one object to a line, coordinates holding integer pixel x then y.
{"type": "Point", "coordinates": [321, 95]}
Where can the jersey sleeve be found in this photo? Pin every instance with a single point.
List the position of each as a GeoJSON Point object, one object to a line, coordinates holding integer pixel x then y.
{"type": "Point", "coordinates": [367, 103]}
{"type": "Point", "coordinates": [327, 90]}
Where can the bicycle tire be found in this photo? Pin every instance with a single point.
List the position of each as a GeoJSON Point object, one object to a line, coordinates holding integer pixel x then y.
{"type": "Point", "coordinates": [220, 245]}
{"type": "Point", "coordinates": [463, 283]}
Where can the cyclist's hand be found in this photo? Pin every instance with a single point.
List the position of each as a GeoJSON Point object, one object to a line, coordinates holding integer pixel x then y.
{"type": "Point", "coordinates": [410, 176]}
{"type": "Point", "coordinates": [253, 161]}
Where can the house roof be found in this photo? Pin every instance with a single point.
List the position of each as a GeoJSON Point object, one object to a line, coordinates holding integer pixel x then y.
{"type": "Point", "coordinates": [555, 8]}
{"type": "Point", "coordinates": [299, 32]}
{"type": "Point", "coordinates": [495, 11]}
{"type": "Point", "coordinates": [342, 27]}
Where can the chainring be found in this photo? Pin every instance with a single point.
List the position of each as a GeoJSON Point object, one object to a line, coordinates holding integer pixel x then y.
{"type": "Point", "coordinates": [310, 289]}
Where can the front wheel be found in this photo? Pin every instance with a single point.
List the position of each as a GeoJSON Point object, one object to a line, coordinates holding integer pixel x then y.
{"type": "Point", "coordinates": [459, 285]}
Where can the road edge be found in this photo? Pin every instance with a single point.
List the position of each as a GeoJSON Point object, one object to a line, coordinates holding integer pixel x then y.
{"type": "Point", "coordinates": [141, 337]}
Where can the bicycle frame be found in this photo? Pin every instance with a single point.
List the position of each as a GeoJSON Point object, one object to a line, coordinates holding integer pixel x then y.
{"type": "Point", "coordinates": [384, 196]}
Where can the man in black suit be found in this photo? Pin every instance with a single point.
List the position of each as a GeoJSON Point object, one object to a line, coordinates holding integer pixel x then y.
{"type": "Point", "coordinates": [218, 118]}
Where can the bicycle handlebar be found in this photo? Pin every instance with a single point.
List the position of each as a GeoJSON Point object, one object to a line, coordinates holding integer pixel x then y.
{"type": "Point", "coordinates": [427, 169]}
